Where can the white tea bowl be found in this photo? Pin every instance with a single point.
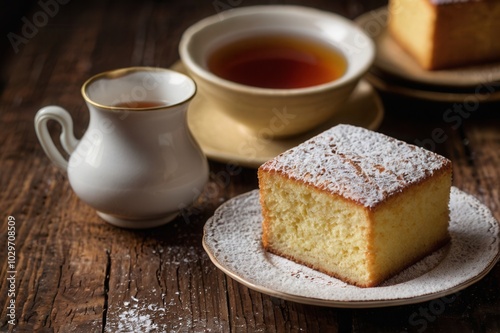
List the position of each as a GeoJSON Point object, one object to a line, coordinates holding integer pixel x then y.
{"type": "Point", "coordinates": [276, 112]}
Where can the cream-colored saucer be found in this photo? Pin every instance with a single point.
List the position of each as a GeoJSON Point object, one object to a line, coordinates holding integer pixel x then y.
{"type": "Point", "coordinates": [222, 139]}
{"type": "Point", "coordinates": [391, 58]}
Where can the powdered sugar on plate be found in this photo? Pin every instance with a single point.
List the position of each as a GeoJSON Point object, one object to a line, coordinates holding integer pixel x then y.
{"type": "Point", "coordinates": [233, 241]}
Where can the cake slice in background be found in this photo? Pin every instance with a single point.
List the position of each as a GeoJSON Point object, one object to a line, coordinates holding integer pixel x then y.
{"type": "Point", "coordinates": [441, 34]}
{"type": "Point", "coordinates": [355, 204]}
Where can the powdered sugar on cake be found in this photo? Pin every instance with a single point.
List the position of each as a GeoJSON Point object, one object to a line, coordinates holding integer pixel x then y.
{"type": "Point", "coordinates": [358, 164]}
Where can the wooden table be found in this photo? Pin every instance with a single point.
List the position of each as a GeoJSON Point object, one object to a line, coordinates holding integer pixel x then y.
{"type": "Point", "coordinates": [75, 273]}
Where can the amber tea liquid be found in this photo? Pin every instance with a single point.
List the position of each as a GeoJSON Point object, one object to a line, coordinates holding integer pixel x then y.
{"type": "Point", "coordinates": [140, 104]}
{"type": "Point", "coordinates": [277, 61]}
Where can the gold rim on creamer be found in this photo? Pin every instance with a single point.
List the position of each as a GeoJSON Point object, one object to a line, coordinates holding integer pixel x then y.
{"type": "Point", "coordinates": [117, 73]}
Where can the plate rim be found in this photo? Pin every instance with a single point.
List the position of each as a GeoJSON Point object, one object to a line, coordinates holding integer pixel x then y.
{"type": "Point", "coordinates": [354, 304]}
{"type": "Point", "coordinates": [422, 94]}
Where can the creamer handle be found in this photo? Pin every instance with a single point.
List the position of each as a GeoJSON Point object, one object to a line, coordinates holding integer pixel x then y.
{"type": "Point", "coordinates": [68, 140]}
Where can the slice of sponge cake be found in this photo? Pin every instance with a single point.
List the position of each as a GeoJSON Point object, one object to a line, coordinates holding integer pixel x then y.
{"type": "Point", "coordinates": [447, 33]}
{"type": "Point", "coordinates": [355, 204]}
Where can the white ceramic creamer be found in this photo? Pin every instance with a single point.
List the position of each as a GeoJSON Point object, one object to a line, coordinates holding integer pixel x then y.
{"type": "Point", "coordinates": [137, 163]}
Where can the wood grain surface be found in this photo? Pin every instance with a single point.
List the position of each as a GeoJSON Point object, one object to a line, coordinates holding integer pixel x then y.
{"type": "Point", "coordinates": [75, 273]}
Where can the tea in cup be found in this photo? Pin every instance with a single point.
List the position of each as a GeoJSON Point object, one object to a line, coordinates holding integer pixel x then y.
{"type": "Point", "coordinates": [282, 69]}
{"type": "Point", "coordinates": [137, 163]}
{"type": "Point", "coordinates": [277, 61]}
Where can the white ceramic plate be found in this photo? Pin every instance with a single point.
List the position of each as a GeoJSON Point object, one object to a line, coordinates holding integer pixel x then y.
{"type": "Point", "coordinates": [232, 239]}
{"type": "Point", "coordinates": [390, 57]}
{"type": "Point", "coordinates": [223, 139]}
